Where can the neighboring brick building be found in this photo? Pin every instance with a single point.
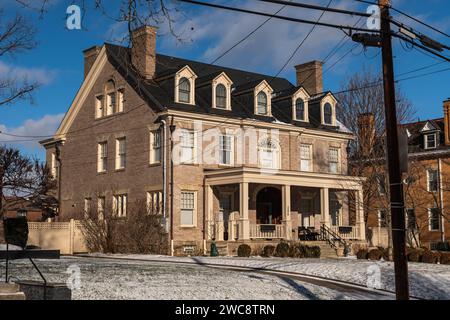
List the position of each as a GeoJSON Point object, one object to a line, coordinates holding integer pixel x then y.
{"type": "Point", "coordinates": [426, 185]}
{"type": "Point", "coordinates": [254, 156]}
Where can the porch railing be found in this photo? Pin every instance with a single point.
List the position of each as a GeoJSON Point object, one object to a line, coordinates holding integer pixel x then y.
{"type": "Point", "coordinates": [346, 232]}
{"type": "Point", "coordinates": [267, 231]}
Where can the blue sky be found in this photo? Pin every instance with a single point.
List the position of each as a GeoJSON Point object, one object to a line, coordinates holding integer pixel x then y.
{"type": "Point", "coordinates": [57, 61]}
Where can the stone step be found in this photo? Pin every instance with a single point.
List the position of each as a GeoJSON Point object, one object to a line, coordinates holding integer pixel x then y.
{"type": "Point", "coordinates": [12, 296]}
{"type": "Point", "coordinates": [11, 291]}
{"type": "Point", "coordinates": [9, 288]}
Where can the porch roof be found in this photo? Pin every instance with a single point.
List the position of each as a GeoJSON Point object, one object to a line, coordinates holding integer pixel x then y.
{"type": "Point", "coordinates": [281, 177]}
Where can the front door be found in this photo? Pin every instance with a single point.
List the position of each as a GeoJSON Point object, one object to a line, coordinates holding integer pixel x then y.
{"type": "Point", "coordinates": [224, 212]}
{"type": "Point", "coordinates": [265, 213]}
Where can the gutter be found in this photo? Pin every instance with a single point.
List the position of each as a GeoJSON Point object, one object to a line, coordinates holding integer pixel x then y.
{"type": "Point", "coordinates": [441, 200]}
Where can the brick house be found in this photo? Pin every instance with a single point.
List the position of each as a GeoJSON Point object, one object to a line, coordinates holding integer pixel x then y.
{"type": "Point", "coordinates": [220, 153]}
{"type": "Point", "coordinates": [426, 184]}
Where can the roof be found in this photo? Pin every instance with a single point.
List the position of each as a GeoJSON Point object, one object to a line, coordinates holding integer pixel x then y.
{"type": "Point", "coordinates": [416, 133]}
{"type": "Point", "coordinates": [160, 91]}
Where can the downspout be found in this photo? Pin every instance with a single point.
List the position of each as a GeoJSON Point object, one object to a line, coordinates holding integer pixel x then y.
{"type": "Point", "coordinates": [172, 129]}
{"type": "Point", "coordinates": [441, 200]}
{"type": "Point", "coordinates": [164, 174]}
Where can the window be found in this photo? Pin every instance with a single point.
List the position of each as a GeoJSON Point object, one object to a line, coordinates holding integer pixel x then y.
{"type": "Point", "coordinates": [54, 165]}
{"type": "Point", "coordinates": [102, 156]}
{"type": "Point", "coordinates": [184, 90]}
{"type": "Point", "coordinates": [101, 203]}
{"type": "Point", "coordinates": [110, 103]}
{"type": "Point", "coordinates": [430, 141]}
{"type": "Point", "coordinates": [306, 157]}
{"type": "Point", "coordinates": [268, 154]}
{"type": "Point", "coordinates": [262, 103]}
{"type": "Point", "coordinates": [300, 109]}
{"type": "Point", "coordinates": [381, 180]}
{"type": "Point", "coordinates": [187, 146]}
{"type": "Point", "coordinates": [99, 110]}
{"type": "Point", "coordinates": [155, 146]}
{"type": "Point", "coordinates": [187, 208]}
{"type": "Point", "coordinates": [434, 218]}
{"type": "Point", "coordinates": [432, 176]}
{"type": "Point", "coordinates": [333, 156]}
{"type": "Point", "coordinates": [225, 149]}
{"type": "Point", "coordinates": [87, 206]}
{"type": "Point", "coordinates": [327, 114]}
{"type": "Point", "coordinates": [382, 218]}
{"type": "Point", "coordinates": [120, 153]}
{"type": "Point", "coordinates": [221, 96]}
{"type": "Point", "coordinates": [411, 219]}
{"type": "Point", "coordinates": [120, 205]}
{"type": "Point", "coordinates": [120, 100]}
{"type": "Point", "coordinates": [154, 202]}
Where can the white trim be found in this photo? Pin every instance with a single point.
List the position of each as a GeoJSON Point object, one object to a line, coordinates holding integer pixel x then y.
{"type": "Point", "coordinates": [429, 220]}
{"type": "Point", "coordinates": [428, 180]}
{"type": "Point", "coordinates": [194, 213]}
{"type": "Point", "coordinates": [332, 101]}
{"type": "Point", "coordinates": [425, 140]}
{"type": "Point", "coordinates": [152, 158]}
{"type": "Point", "coordinates": [189, 74]}
{"type": "Point", "coordinates": [117, 157]}
{"type": "Point", "coordinates": [226, 81]}
{"type": "Point", "coordinates": [300, 93]}
{"type": "Point", "coordinates": [311, 157]}
{"type": "Point", "coordinates": [263, 86]}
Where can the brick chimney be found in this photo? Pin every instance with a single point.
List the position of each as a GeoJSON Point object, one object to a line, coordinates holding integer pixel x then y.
{"type": "Point", "coordinates": [90, 55]}
{"type": "Point", "coordinates": [309, 75]}
{"type": "Point", "coordinates": [143, 51]}
{"type": "Point", "coordinates": [366, 133]}
{"type": "Point", "coordinates": [447, 121]}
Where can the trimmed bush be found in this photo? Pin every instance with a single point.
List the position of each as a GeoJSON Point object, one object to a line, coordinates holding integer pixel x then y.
{"type": "Point", "coordinates": [313, 252]}
{"type": "Point", "coordinates": [362, 254]}
{"type": "Point", "coordinates": [384, 253]}
{"type": "Point", "coordinates": [297, 251]}
{"type": "Point", "coordinates": [268, 251]}
{"type": "Point", "coordinates": [430, 256]}
{"type": "Point", "coordinates": [244, 250]}
{"type": "Point", "coordinates": [414, 255]}
{"type": "Point", "coordinates": [374, 254]}
{"type": "Point", "coordinates": [445, 257]}
{"type": "Point", "coordinates": [282, 250]}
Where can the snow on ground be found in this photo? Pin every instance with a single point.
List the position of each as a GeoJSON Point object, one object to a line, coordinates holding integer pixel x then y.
{"type": "Point", "coordinates": [124, 279]}
{"type": "Point", "coordinates": [427, 281]}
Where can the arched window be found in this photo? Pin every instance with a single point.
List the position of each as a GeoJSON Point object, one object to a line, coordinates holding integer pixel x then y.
{"type": "Point", "coordinates": [184, 90]}
{"type": "Point", "coordinates": [269, 154]}
{"type": "Point", "coordinates": [262, 103]}
{"type": "Point", "coordinates": [327, 114]}
{"type": "Point", "coordinates": [300, 109]}
{"type": "Point", "coordinates": [221, 96]}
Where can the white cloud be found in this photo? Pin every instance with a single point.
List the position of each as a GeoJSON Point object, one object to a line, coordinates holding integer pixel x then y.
{"type": "Point", "coordinates": [44, 126]}
{"type": "Point", "coordinates": [40, 75]}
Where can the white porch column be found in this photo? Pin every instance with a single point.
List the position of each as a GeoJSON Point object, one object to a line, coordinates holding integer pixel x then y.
{"type": "Point", "coordinates": [286, 210]}
{"type": "Point", "coordinates": [209, 212]}
{"type": "Point", "coordinates": [243, 210]}
{"type": "Point", "coordinates": [359, 205]}
{"type": "Point", "coordinates": [325, 206]}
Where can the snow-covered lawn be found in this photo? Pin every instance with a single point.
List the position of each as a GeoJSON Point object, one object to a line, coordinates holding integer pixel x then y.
{"type": "Point", "coordinates": [427, 281]}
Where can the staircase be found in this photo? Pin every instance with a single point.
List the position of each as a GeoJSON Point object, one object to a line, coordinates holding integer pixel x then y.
{"type": "Point", "coordinates": [332, 240]}
{"type": "Point", "coordinates": [11, 291]}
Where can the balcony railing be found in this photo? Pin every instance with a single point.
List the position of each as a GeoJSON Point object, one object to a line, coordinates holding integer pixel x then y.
{"type": "Point", "coordinates": [267, 231]}
{"type": "Point", "coordinates": [346, 232]}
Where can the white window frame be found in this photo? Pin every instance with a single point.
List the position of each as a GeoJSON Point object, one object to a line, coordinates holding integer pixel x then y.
{"type": "Point", "coordinates": [188, 73]}
{"type": "Point", "coordinates": [101, 204]}
{"type": "Point", "coordinates": [183, 146]}
{"type": "Point", "coordinates": [102, 158]}
{"type": "Point", "coordinates": [156, 149]}
{"type": "Point", "coordinates": [267, 89]}
{"type": "Point", "coordinates": [338, 161]}
{"type": "Point", "coordinates": [120, 205]}
{"type": "Point", "coordinates": [87, 206]}
{"type": "Point", "coordinates": [309, 160]}
{"type": "Point", "coordinates": [224, 80]}
{"type": "Point", "coordinates": [120, 154]}
{"type": "Point", "coordinates": [111, 105]}
{"type": "Point", "coordinates": [99, 106]}
{"type": "Point", "coordinates": [429, 181]}
{"type": "Point", "coordinates": [332, 101]}
{"type": "Point", "coordinates": [302, 94]}
{"type": "Point", "coordinates": [275, 150]}
{"type": "Point", "coordinates": [155, 202]}
{"type": "Point", "coordinates": [426, 135]}
{"type": "Point", "coordinates": [54, 166]}
{"type": "Point", "coordinates": [379, 218]}
{"type": "Point", "coordinates": [230, 149]}
{"type": "Point", "coordinates": [193, 209]}
{"type": "Point", "coordinates": [120, 99]}
{"type": "Point", "coordinates": [430, 219]}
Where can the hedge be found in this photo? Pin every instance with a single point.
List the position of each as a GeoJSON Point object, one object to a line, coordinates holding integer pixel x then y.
{"type": "Point", "coordinates": [268, 251]}
{"type": "Point", "coordinates": [244, 250]}
{"type": "Point", "coordinates": [282, 250]}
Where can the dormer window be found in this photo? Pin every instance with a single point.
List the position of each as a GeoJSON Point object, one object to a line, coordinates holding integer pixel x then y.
{"type": "Point", "coordinates": [262, 103]}
{"type": "Point", "coordinates": [184, 91]}
{"type": "Point", "coordinates": [430, 141]}
{"type": "Point", "coordinates": [185, 86]}
{"type": "Point", "coordinates": [221, 96]}
{"type": "Point", "coordinates": [300, 109]}
{"type": "Point", "coordinates": [327, 114]}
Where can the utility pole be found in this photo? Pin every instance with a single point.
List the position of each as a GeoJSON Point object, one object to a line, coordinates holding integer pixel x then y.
{"type": "Point", "coordinates": [2, 172]}
{"type": "Point", "coordinates": [393, 156]}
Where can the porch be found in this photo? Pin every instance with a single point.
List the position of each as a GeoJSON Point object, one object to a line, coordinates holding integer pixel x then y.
{"type": "Point", "coordinates": [250, 204]}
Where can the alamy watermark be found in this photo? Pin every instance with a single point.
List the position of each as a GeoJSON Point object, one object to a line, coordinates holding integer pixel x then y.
{"type": "Point", "coordinates": [73, 282]}
{"type": "Point", "coordinates": [73, 21]}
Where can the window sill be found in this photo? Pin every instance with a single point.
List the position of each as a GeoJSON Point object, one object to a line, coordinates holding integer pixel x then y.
{"type": "Point", "coordinates": [102, 172]}
{"type": "Point", "coordinates": [109, 116]}
{"type": "Point", "coordinates": [187, 226]}
{"type": "Point", "coordinates": [119, 170]}
{"type": "Point", "coordinates": [225, 165]}
{"type": "Point", "coordinates": [155, 164]}
{"type": "Point", "coordinates": [188, 164]}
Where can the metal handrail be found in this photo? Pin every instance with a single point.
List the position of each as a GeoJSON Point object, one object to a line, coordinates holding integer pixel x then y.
{"type": "Point", "coordinates": [331, 237]}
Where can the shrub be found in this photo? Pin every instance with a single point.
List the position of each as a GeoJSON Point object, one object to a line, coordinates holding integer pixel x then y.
{"type": "Point", "coordinates": [362, 254]}
{"type": "Point", "coordinates": [297, 251]}
{"type": "Point", "coordinates": [430, 256]}
{"type": "Point", "coordinates": [244, 250]}
{"type": "Point", "coordinates": [374, 254]}
{"type": "Point", "coordinates": [282, 250]}
{"type": "Point", "coordinates": [445, 257]}
{"type": "Point", "coordinates": [414, 255]}
{"type": "Point", "coordinates": [313, 252]}
{"type": "Point", "coordinates": [268, 251]}
{"type": "Point", "coordinates": [384, 253]}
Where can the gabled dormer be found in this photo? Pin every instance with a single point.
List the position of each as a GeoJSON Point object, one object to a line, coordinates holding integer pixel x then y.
{"type": "Point", "coordinates": [300, 101]}
{"type": "Point", "coordinates": [221, 92]}
{"type": "Point", "coordinates": [430, 133]}
{"type": "Point", "coordinates": [262, 97]}
{"type": "Point", "coordinates": [185, 85]}
{"type": "Point", "coordinates": [328, 110]}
